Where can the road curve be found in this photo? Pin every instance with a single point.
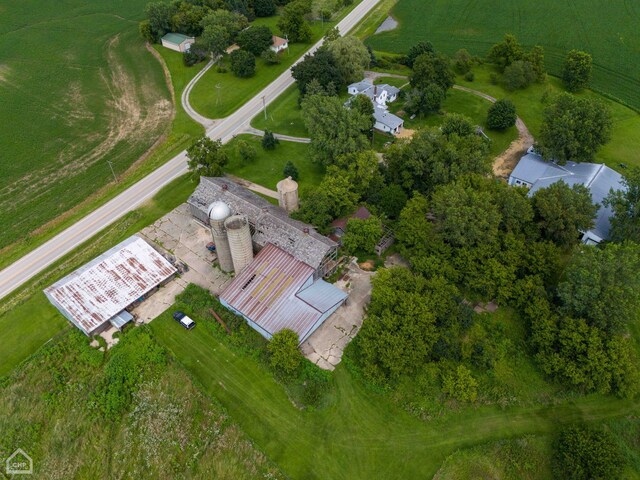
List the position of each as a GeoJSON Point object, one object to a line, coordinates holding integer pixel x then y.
{"type": "Point", "coordinates": [34, 262]}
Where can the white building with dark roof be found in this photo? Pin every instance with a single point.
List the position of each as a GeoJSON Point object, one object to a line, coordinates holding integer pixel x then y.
{"type": "Point", "coordinates": [96, 295]}
{"type": "Point", "coordinates": [534, 173]}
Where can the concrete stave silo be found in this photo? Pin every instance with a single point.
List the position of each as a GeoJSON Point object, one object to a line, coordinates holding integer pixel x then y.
{"type": "Point", "coordinates": [218, 213]}
{"type": "Point", "coordinates": [288, 194]}
{"type": "Point", "coordinates": [240, 243]}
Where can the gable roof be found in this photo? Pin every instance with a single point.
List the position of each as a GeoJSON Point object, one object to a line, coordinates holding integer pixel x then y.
{"type": "Point", "coordinates": [386, 118]}
{"type": "Point", "coordinates": [362, 213]}
{"type": "Point", "coordinates": [105, 286]}
{"type": "Point", "coordinates": [276, 291]}
{"type": "Point", "coordinates": [278, 41]}
{"type": "Point", "coordinates": [271, 223]}
{"type": "Point", "coordinates": [598, 178]}
{"type": "Point", "coordinates": [176, 38]}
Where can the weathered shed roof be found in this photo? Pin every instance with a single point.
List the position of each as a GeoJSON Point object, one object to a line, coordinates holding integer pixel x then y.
{"type": "Point", "coordinates": [271, 223]}
{"type": "Point", "coordinates": [102, 288]}
{"type": "Point", "coordinates": [276, 291]}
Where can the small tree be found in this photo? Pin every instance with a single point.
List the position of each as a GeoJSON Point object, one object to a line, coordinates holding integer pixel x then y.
{"type": "Point", "coordinates": [290, 170]}
{"type": "Point", "coordinates": [285, 356]}
{"type": "Point", "coordinates": [460, 384]}
{"type": "Point", "coordinates": [243, 63]}
{"type": "Point", "coordinates": [583, 453]}
{"type": "Point", "coordinates": [269, 141]}
{"type": "Point", "coordinates": [462, 61]}
{"type": "Point", "coordinates": [577, 70]}
{"type": "Point", "coordinates": [506, 52]}
{"type": "Point", "coordinates": [518, 75]}
{"type": "Point", "coordinates": [424, 101]}
{"type": "Point", "coordinates": [457, 124]}
{"type": "Point", "coordinates": [246, 151]}
{"type": "Point", "coordinates": [207, 157]}
{"type": "Point", "coordinates": [270, 57]}
{"type": "Point", "coordinates": [255, 39]}
{"type": "Point", "coordinates": [501, 115]}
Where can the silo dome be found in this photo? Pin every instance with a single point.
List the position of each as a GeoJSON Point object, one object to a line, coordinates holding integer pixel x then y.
{"type": "Point", "coordinates": [287, 185]}
{"type": "Point", "coordinates": [219, 211]}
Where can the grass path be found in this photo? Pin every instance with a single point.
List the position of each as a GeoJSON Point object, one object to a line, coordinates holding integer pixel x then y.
{"type": "Point", "coordinates": [359, 434]}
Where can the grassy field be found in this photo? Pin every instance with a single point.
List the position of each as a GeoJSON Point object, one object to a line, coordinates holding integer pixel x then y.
{"type": "Point", "coordinates": [217, 95]}
{"type": "Point", "coordinates": [609, 31]}
{"type": "Point", "coordinates": [28, 320]}
{"type": "Point", "coordinates": [78, 90]}
{"type": "Point", "coordinates": [359, 433]}
{"type": "Point", "coordinates": [267, 168]}
{"type": "Point", "coordinates": [168, 428]}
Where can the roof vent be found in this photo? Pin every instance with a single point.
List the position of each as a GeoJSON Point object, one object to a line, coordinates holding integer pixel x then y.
{"type": "Point", "coordinates": [225, 186]}
{"type": "Point", "coordinates": [306, 230]}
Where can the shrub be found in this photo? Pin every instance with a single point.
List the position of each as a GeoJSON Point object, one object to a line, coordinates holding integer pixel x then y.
{"type": "Point", "coordinates": [243, 63]}
{"type": "Point", "coordinates": [269, 141]}
{"type": "Point", "coordinates": [501, 115]}
{"type": "Point", "coordinates": [469, 77]}
{"type": "Point", "coordinates": [270, 57]}
{"type": "Point", "coordinates": [284, 355]}
{"type": "Point", "coordinates": [519, 75]}
{"type": "Point", "coordinates": [460, 384]}
{"type": "Point", "coordinates": [246, 151]}
{"type": "Point", "coordinates": [462, 61]}
{"type": "Point", "coordinates": [290, 170]}
{"type": "Point", "coordinates": [583, 453]}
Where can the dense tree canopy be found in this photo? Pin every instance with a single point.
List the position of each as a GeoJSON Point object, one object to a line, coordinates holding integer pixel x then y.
{"type": "Point", "coordinates": [625, 204]}
{"type": "Point", "coordinates": [215, 39]}
{"type": "Point", "coordinates": [362, 235]}
{"type": "Point", "coordinates": [574, 129]}
{"type": "Point", "coordinates": [431, 68]}
{"type": "Point", "coordinates": [350, 56]}
{"type": "Point", "coordinates": [334, 129]}
{"type": "Point", "coordinates": [562, 212]}
{"type": "Point", "coordinates": [576, 72]}
{"type": "Point", "coordinates": [506, 52]}
{"type": "Point", "coordinates": [255, 39]}
{"type": "Point", "coordinates": [321, 67]}
{"type": "Point", "coordinates": [293, 23]}
{"type": "Point", "coordinates": [232, 22]}
{"type": "Point", "coordinates": [501, 115]}
{"type": "Point", "coordinates": [418, 49]}
{"type": "Point", "coordinates": [207, 158]}
{"type": "Point", "coordinates": [264, 8]}
{"type": "Point", "coordinates": [243, 63]}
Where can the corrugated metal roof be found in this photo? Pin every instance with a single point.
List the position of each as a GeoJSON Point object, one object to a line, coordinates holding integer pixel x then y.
{"type": "Point", "coordinates": [101, 289]}
{"type": "Point", "coordinates": [176, 38]}
{"type": "Point", "coordinates": [267, 293]}
{"type": "Point", "coordinates": [322, 295]}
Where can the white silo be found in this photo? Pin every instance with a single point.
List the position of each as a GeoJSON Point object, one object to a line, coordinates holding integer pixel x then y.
{"type": "Point", "coordinates": [218, 213]}
{"type": "Point", "coordinates": [240, 244]}
{"type": "Point", "coordinates": [288, 194]}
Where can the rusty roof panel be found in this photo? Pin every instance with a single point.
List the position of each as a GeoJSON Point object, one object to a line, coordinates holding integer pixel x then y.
{"type": "Point", "coordinates": [108, 284]}
{"type": "Point", "coordinates": [267, 290]}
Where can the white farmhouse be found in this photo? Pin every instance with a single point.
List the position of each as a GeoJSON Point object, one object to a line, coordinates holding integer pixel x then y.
{"type": "Point", "coordinates": [178, 42]}
{"type": "Point", "coordinates": [379, 95]}
{"type": "Point", "coordinates": [279, 44]}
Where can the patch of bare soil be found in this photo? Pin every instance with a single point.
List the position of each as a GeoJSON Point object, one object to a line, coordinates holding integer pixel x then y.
{"type": "Point", "coordinates": [406, 133]}
{"type": "Point", "coordinates": [504, 163]}
{"type": "Point", "coordinates": [367, 266]}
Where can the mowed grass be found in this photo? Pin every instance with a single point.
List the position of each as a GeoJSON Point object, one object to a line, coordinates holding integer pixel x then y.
{"type": "Point", "coordinates": [607, 30]}
{"type": "Point", "coordinates": [28, 320]}
{"type": "Point", "coordinates": [78, 90]}
{"type": "Point", "coordinates": [284, 115]}
{"type": "Point", "coordinates": [217, 95]}
{"type": "Point", "coordinates": [359, 434]}
{"type": "Point", "coordinates": [268, 166]}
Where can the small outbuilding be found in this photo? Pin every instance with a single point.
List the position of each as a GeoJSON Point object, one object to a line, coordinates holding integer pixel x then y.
{"type": "Point", "coordinates": [279, 44]}
{"type": "Point", "coordinates": [96, 295]}
{"type": "Point", "coordinates": [178, 42]}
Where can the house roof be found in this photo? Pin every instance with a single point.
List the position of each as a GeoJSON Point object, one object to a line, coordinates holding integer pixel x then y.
{"type": "Point", "coordinates": [176, 38]}
{"type": "Point", "coordinates": [275, 292]}
{"type": "Point", "coordinates": [598, 178]}
{"type": "Point", "coordinates": [361, 213]}
{"type": "Point", "coordinates": [271, 223]}
{"type": "Point", "coordinates": [386, 118]}
{"type": "Point", "coordinates": [102, 288]}
{"type": "Point", "coordinates": [279, 41]}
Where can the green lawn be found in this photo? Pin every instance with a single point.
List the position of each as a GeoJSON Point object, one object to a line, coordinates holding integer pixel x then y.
{"type": "Point", "coordinates": [284, 115]}
{"type": "Point", "coordinates": [359, 433]}
{"type": "Point", "coordinates": [28, 320]}
{"type": "Point", "coordinates": [78, 90]}
{"type": "Point", "coordinates": [267, 168]}
{"type": "Point", "coordinates": [609, 31]}
{"type": "Point", "coordinates": [217, 95]}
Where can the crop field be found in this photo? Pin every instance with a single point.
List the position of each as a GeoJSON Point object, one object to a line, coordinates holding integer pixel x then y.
{"type": "Point", "coordinates": [78, 91]}
{"type": "Point", "coordinates": [608, 30]}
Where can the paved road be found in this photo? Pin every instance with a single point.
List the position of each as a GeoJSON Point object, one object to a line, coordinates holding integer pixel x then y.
{"type": "Point", "coordinates": [36, 261]}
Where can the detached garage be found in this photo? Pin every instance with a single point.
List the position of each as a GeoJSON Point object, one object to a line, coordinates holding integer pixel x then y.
{"type": "Point", "coordinates": [178, 42]}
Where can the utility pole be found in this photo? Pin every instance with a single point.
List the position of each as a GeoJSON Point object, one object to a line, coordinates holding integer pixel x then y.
{"type": "Point", "coordinates": [218, 87]}
{"type": "Point", "coordinates": [112, 171]}
{"type": "Point", "coordinates": [264, 107]}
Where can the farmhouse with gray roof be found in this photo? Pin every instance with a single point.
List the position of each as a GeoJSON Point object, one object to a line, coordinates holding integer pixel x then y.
{"type": "Point", "coordinates": [379, 96]}
{"type": "Point", "coordinates": [534, 173]}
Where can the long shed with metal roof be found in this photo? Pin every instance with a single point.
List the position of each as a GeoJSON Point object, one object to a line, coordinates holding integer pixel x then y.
{"type": "Point", "coordinates": [277, 291]}
{"type": "Point", "coordinates": [97, 294]}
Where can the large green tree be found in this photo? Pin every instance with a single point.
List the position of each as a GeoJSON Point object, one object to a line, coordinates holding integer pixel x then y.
{"type": "Point", "coordinates": [416, 50]}
{"type": "Point", "coordinates": [243, 63]}
{"type": "Point", "coordinates": [159, 15]}
{"type": "Point", "coordinates": [506, 52]}
{"type": "Point", "coordinates": [562, 212]}
{"type": "Point", "coordinates": [255, 39]}
{"type": "Point", "coordinates": [576, 72]}
{"type": "Point", "coordinates": [293, 22]}
{"type": "Point", "coordinates": [264, 8]}
{"type": "Point", "coordinates": [207, 157]}
{"type": "Point", "coordinates": [501, 115]}
{"type": "Point", "coordinates": [320, 67]}
{"type": "Point", "coordinates": [625, 205]}
{"type": "Point", "coordinates": [431, 68]}
{"type": "Point", "coordinates": [351, 57]}
{"type": "Point", "coordinates": [284, 354]}
{"type": "Point", "coordinates": [334, 129]}
{"type": "Point", "coordinates": [574, 129]}
{"type": "Point", "coordinates": [232, 22]}
{"type": "Point", "coordinates": [215, 39]}
{"type": "Point", "coordinates": [362, 235]}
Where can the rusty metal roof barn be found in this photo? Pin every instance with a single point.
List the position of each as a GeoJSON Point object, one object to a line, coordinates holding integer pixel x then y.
{"type": "Point", "coordinates": [100, 290]}
{"type": "Point", "coordinates": [276, 291]}
{"type": "Point", "coordinates": [269, 223]}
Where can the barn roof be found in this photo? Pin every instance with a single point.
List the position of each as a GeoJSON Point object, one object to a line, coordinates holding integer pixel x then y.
{"type": "Point", "coordinates": [102, 288]}
{"type": "Point", "coordinates": [271, 223]}
{"type": "Point", "coordinates": [276, 291]}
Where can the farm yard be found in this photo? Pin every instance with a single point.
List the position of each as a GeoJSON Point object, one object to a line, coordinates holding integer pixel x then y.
{"type": "Point", "coordinates": [609, 31]}
{"type": "Point", "coordinates": [79, 92]}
